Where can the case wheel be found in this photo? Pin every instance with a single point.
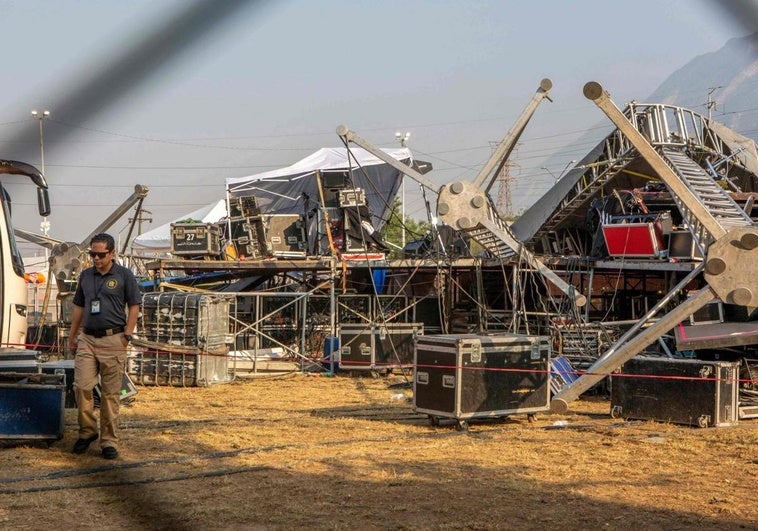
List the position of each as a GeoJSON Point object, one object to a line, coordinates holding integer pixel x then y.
{"type": "Point", "coordinates": [461, 425]}
{"type": "Point", "coordinates": [434, 420]}
{"type": "Point", "coordinates": [531, 417]}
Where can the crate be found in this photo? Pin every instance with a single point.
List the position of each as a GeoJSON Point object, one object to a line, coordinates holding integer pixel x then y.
{"type": "Point", "coordinates": [32, 406]}
{"type": "Point", "coordinates": [18, 354]}
{"type": "Point", "coordinates": [633, 240]}
{"type": "Point", "coordinates": [680, 391]}
{"type": "Point", "coordinates": [172, 369]}
{"type": "Point", "coordinates": [370, 346]}
{"type": "Point", "coordinates": [713, 312]}
{"type": "Point", "coordinates": [243, 207]}
{"type": "Point", "coordinates": [682, 246]}
{"type": "Point", "coordinates": [285, 235]}
{"type": "Point", "coordinates": [20, 365]}
{"type": "Point", "coordinates": [352, 197]}
{"type": "Point", "coordinates": [472, 376]}
{"type": "Point", "coordinates": [249, 237]}
{"type": "Point", "coordinates": [186, 319]}
{"type": "Point", "coordinates": [195, 239]}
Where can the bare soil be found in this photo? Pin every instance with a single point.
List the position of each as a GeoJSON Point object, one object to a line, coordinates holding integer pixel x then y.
{"type": "Point", "coordinates": [350, 453]}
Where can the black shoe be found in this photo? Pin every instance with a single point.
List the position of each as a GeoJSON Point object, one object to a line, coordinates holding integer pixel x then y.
{"type": "Point", "coordinates": [81, 445]}
{"type": "Point", "coordinates": [109, 452]}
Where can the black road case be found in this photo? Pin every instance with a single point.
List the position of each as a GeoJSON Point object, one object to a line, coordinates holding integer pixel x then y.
{"type": "Point", "coordinates": [65, 367]}
{"type": "Point", "coordinates": [285, 235]}
{"type": "Point", "coordinates": [681, 391]}
{"type": "Point", "coordinates": [195, 239]}
{"type": "Point", "coordinates": [365, 346]}
{"type": "Point", "coordinates": [469, 376]}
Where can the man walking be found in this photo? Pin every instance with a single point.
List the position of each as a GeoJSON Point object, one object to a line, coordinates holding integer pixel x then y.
{"type": "Point", "coordinates": [106, 306]}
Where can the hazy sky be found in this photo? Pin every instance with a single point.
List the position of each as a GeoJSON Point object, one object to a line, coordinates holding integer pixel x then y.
{"type": "Point", "coordinates": [271, 84]}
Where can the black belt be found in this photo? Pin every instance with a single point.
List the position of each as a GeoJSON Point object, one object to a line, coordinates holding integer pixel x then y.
{"type": "Point", "coordinates": [102, 332]}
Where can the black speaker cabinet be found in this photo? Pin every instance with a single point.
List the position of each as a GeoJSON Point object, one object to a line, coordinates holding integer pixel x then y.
{"type": "Point", "coordinates": [469, 376]}
{"type": "Point", "coordinates": [680, 391]}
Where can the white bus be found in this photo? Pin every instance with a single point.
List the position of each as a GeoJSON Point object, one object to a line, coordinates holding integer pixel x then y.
{"type": "Point", "coordinates": [13, 293]}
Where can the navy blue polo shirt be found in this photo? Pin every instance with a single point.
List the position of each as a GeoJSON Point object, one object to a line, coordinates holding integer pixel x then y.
{"type": "Point", "coordinates": [115, 290]}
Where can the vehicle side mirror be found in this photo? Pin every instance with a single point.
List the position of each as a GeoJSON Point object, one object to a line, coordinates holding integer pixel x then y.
{"type": "Point", "coordinates": [43, 202]}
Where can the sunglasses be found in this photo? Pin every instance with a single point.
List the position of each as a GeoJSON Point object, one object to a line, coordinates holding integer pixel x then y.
{"type": "Point", "coordinates": [93, 254]}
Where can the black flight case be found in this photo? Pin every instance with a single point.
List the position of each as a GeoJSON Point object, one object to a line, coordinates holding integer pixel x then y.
{"type": "Point", "coordinates": [680, 391]}
{"type": "Point", "coordinates": [468, 376]}
{"type": "Point", "coordinates": [378, 346]}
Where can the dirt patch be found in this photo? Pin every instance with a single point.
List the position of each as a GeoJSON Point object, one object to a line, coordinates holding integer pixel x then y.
{"type": "Point", "coordinates": [350, 453]}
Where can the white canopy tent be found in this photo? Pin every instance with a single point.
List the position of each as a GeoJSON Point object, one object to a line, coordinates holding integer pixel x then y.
{"type": "Point", "coordinates": [293, 190]}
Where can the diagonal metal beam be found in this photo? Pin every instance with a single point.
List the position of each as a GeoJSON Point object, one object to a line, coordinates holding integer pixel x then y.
{"type": "Point", "coordinates": [350, 136]}
{"type": "Point", "coordinates": [140, 192]}
{"type": "Point", "coordinates": [39, 239]}
{"type": "Point", "coordinates": [595, 92]}
{"type": "Point", "coordinates": [505, 148]}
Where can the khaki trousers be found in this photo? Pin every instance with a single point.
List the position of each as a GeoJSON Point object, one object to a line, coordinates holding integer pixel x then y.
{"type": "Point", "coordinates": [105, 356]}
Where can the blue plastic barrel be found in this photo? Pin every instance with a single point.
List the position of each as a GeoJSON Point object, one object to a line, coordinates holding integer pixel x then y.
{"type": "Point", "coordinates": [331, 348]}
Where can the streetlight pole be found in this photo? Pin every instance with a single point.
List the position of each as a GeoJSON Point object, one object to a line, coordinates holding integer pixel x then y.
{"type": "Point", "coordinates": [44, 224]}
{"type": "Point", "coordinates": [402, 138]}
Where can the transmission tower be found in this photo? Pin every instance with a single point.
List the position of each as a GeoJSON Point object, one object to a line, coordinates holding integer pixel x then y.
{"type": "Point", "coordinates": [504, 201]}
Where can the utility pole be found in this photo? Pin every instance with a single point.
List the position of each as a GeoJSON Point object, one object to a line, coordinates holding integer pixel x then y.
{"type": "Point", "coordinates": [140, 218]}
{"type": "Point", "coordinates": [711, 104]}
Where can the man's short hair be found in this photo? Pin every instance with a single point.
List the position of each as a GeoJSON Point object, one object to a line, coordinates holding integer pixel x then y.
{"type": "Point", "coordinates": [105, 238]}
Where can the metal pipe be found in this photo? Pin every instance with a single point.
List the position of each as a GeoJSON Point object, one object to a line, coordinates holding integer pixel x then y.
{"type": "Point", "coordinates": [350, 136]}
{"type": "Point", "coordinates": [595, 92]}
{"type": "Point", "coordinates": [504, 149]}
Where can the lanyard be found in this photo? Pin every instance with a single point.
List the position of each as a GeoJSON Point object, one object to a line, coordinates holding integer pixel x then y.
{"type": "Point", "coordinates": [97, 289]}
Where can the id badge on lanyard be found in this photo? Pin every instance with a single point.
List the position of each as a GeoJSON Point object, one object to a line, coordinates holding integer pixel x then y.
{"type": "Point", "coordinates": [94, 307]}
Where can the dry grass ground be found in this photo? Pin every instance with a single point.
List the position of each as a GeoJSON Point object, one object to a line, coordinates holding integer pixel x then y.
{"type": "Point", "coordinates": [349, 453]}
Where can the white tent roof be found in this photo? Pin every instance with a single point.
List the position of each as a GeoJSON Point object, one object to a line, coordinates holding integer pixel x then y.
{"type": "Point", "coordinates": [294, 190]}
{"type": "Point", "coordinates": [158, 240]}
{"type": "Point", "coordinates": [281, 190]}
{"type": "Point", "coordinates": [323, 159]}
